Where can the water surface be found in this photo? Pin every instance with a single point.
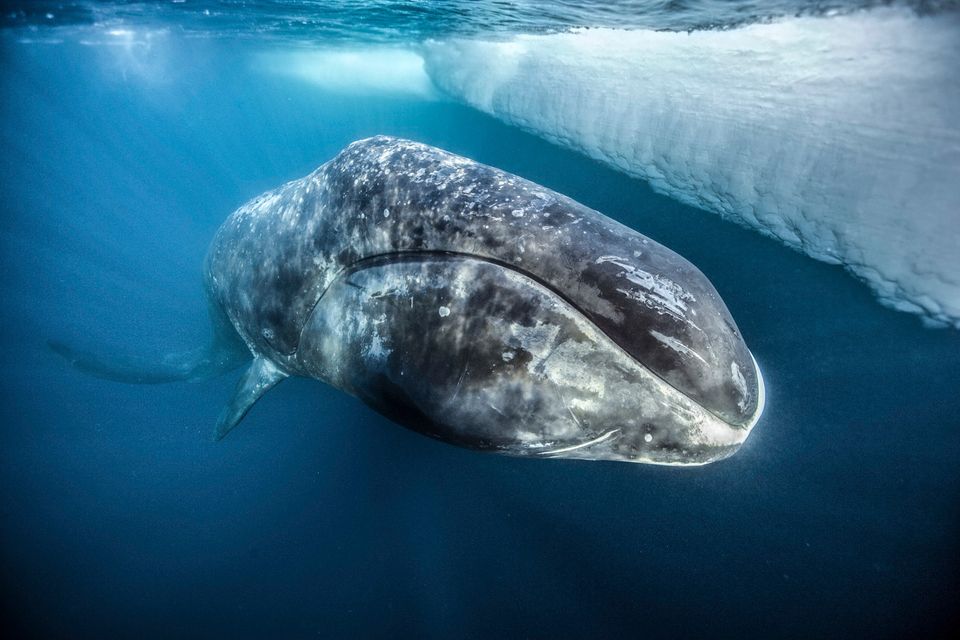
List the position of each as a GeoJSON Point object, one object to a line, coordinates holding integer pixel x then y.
{"type": "Point", "coordinates": [316, 517]}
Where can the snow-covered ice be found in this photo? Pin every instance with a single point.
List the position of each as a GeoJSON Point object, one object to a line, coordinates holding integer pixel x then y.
{"type": "Point", "coordinates": [838, 135]}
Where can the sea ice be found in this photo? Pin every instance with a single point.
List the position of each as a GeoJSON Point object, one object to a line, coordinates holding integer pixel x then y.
{"type": "Point", "coordinates": [840, 135]}
{"type": "Point", "coordinates": [360, 70]}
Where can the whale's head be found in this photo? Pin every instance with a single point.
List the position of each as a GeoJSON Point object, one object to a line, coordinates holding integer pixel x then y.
{"type": "Point", "coordinates": [482, 355]}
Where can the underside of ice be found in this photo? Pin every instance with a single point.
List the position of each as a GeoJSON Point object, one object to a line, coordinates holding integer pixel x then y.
{"type": "Point", "coordinates": [839, 136]}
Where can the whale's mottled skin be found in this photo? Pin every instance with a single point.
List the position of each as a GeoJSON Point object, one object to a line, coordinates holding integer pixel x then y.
{"type": "Point", "coordinates": [475, 307]}
{"type": "Point", "coordinates": [485, 310]}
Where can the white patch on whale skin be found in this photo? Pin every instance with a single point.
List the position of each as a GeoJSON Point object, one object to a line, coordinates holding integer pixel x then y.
{"type": "Point", "coordinates": [376, 349]}
{"type": "Point", "coordinates": [679, 347]}
{"type": "Point", "coordinates": [565, 368]}
{"type": "Point", "coordinates": [582, 445]}
{"type": "Point", "coordinates": [267, 203]}
{"type": "Point", "coordinates": [538, 341]}
{"type": "Point", "coordinates": [740, 383]}
{"type": "Point", "coordinates": [658, 293]}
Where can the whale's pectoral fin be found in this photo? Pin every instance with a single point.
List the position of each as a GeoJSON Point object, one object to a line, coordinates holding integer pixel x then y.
{"type": "Point", "coordinates": [262, 376]}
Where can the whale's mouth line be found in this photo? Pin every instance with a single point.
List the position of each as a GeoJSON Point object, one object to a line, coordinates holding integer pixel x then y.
{"type": "Point", "coordinates": [603, 437]}
{"type": "Point", "coordinates": [418, 255]}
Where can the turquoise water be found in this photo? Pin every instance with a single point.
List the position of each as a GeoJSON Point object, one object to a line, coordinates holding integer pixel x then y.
{"type": "Point", "coordinates": [129, 131]}
{"type": "Point", "coordinates": [313, 21]}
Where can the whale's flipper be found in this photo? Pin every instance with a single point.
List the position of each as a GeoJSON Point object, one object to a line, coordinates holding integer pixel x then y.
{"type": "Point", "coordinates": [262, 376]}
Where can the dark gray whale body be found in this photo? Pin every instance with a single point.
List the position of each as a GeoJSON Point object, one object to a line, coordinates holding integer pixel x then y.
{"type": "Point", "coordinates": [475, 307]}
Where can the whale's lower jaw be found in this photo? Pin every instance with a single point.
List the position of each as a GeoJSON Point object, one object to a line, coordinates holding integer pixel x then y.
{"type": "Point", "coordinates": [482, 356]}
{"type": "Point", "coordinates": [693, 457]}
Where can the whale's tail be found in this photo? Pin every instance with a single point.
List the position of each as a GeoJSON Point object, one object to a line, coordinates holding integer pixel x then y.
{"type": "Point", "coordinates": [225, 352]}
{"type": "Point", "coordinates": [197, 364]}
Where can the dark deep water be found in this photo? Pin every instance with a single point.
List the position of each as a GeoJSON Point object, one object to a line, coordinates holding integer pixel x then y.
{"type": "Point", "coordinates": [316, 517]}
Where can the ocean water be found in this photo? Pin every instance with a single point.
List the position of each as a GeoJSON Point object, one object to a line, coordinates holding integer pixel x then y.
{"type": "Point", "coordinates": [129, 131]}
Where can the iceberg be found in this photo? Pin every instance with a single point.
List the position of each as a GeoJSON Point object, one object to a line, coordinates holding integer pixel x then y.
{"type": "Point", "coordinates": [839, 136]}
{"type": "Point", "coordinates": [358, 71]}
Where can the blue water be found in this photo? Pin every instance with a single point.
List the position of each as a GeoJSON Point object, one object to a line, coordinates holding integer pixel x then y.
{"type": "Point", "coordinates": [312, 21]}
{"type": "Point", "coordinates": [317, 517]}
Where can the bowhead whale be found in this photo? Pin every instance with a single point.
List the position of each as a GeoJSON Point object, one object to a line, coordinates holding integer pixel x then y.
{"type": "Point", "coordinates": [473, 306]}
